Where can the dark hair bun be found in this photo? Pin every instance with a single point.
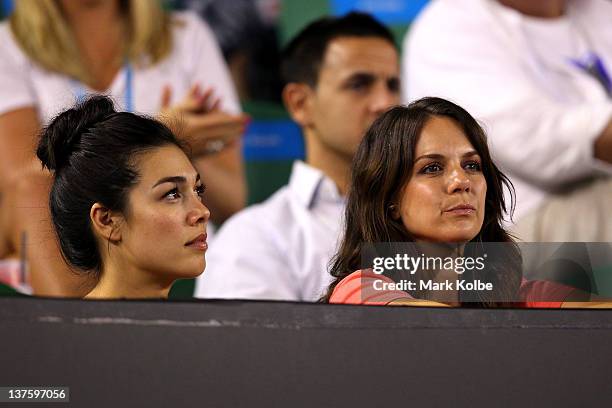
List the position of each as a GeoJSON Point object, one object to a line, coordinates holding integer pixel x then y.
{"type": "Point", "coordinates": [62, 136]}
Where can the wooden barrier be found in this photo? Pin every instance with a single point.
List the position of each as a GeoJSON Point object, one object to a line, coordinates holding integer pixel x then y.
{"type": "Point", "coordinates": [277, 354]}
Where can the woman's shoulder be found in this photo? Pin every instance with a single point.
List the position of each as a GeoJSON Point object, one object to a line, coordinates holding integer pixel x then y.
{"type": "Point", "coordinates": [364, 287]}
{"type": "Point", "coordinates": [543, 294]}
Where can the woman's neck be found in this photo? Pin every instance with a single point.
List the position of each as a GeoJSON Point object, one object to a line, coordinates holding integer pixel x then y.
{"type": "Point", "coordinates": [99, 31]}
{"type": "Point", "coordinates": [443, 250]}
{"type": "Point", "coordinates": [119, 282]}
{"type": "Point", "coordinates": [537, 8]}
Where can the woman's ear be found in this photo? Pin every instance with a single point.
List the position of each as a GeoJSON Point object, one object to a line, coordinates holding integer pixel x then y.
{"type": "Point", "coordinates": [394, 211]}
{"type": "Point", "coordinates": [296, 97]}
{"type": "Point", "coordinates": [105, 223]}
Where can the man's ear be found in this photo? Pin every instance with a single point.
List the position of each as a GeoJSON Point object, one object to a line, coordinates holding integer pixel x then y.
{"type": "Point", "coordinates": [297, 98]}
{"type": "Point", "coordinates": [105, 223]}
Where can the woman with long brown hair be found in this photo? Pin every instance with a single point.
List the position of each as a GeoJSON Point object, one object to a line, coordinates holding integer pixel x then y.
{"type": "Point", "coordinates": [423, 175]}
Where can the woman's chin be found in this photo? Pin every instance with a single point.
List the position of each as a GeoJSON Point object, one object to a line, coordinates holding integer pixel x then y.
{"type": "Point", "coordinates": [195, 272]}
{"type": "Point", "coordinates": [192, 271]}
{"type": "Point", "coordinates": [458, 237]}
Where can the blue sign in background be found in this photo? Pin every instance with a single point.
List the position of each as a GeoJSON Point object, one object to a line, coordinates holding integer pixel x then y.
{"type": "Point", "coordinates": [6, 7]}
{"type": "Point", "coordinates": [273, 140]}
{"type": "Point", "coordinates": [392, 12]}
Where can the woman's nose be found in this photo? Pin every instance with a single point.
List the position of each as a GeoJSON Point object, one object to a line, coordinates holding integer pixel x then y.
{"type": "Point", "coordinates": [458, 181]}
{"type": "Point", "coordinates": [199, 213]}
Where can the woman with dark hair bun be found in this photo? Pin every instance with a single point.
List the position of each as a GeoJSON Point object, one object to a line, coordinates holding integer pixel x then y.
{"type": "Point", "coordinates": [126, 201]}
{"type": "Point", "coordinates": [423, 175]}
{"type": "Point", "coordinates": [151, 61]}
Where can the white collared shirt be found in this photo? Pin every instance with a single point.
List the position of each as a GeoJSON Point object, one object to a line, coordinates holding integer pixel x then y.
{"type": "Point", "coordinates": [279, 249]}
{"type": "Point", "coordinates": [513, 73]}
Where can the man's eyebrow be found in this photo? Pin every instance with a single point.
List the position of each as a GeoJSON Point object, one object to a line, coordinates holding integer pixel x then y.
{"type": "Point", "coordinates": [363, 76]}
{"type": "Point", "coordinates": [175, 179]}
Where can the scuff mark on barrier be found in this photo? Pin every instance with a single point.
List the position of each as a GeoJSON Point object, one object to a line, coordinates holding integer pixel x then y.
{"type": "Point", "coordinates": [50, 319]}
{"type": "Point", "coordinates": [264, 324]}
{"type": "Point", "coordinates": [329, 323]}
{"type": "Point", "coordinates": [158, 322]}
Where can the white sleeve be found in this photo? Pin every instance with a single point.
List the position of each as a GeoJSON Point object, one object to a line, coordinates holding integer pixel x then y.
{"type": "Point", "coordinates": [244, 262]}
{"type": "Point", "coordinates": [15, 85]}
{"type": "Point", "coordinates": [531, 135]}
{"type": "Point", "coordinates": [207, 64]}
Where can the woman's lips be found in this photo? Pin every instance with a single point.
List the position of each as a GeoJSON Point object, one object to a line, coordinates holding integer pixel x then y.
{"type": "Point", "coordinates": [199, 243]}
{"type": "Point", "coordinates": [462, 209]}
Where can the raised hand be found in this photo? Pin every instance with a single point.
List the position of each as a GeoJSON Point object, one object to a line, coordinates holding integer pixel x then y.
{"type": "Point", "coordinates": [198, 121]}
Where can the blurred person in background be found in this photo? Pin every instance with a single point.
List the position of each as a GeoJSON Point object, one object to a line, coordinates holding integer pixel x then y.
{"type": "Point", "coordinates": [340, 74]}
{"type": "Point", "coordinates": [168, 65]}
{"type": "Point", "coordinates": [246, 31]}
{"type": "Point", "coordinates": [538, 74]}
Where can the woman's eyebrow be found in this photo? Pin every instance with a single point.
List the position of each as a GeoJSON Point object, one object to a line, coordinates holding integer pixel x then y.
{"type": "Point", "coordinates": [430, 156]}
{"type": "Point", "coordinates": [175, 179]}
{"type": "Point", "coordinates": [470, 153]}
{"type": "Point", "coordinates": [438, 156]}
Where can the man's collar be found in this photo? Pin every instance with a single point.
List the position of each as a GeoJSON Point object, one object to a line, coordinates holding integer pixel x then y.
{"type": "Point", "coordinates": [310, 184]}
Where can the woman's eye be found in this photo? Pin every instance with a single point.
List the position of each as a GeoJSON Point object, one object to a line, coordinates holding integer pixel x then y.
{"type": "Point", "coordinates": [200, 191]}
{"type": "Point", "coordinates": [173, 194]}
{"type": "Point", "coordinates": [431, 168]}
{"type": "Point", "coordinates": [473, 165]}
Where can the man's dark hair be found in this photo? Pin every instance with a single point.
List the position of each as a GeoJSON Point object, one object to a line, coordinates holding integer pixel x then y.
{"type": "Point", "coordinates": [302, 57]}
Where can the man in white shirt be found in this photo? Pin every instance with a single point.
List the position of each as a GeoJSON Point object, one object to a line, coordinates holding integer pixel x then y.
{"type": "Point", "coordinates": [537, 73]}
{"type": "Point", "coordinates": [340, 75]}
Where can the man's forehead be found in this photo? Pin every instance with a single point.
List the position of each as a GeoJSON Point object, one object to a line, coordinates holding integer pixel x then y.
{"type": "Point", "coordinates": [359, 54]}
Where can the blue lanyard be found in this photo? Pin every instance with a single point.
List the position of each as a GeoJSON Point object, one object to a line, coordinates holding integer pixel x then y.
{"type": "Point", "coordinates": [594, 66]}
{"type": "Point", "coordinates": [129, 98]}
{"type": "Point", "coordinates": [80, 94]}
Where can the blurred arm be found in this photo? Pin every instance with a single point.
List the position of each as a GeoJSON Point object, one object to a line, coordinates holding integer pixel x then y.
{"type": "Point", "coordinates": [223, 174]}
{"type": "Point", "coordinates": [18, 132]}
{"type": "Point", "coordinates": [603, 144]}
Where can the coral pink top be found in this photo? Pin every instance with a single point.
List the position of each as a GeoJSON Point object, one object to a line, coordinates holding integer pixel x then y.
{"type": "Point", "coordinates": [358, 288]}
